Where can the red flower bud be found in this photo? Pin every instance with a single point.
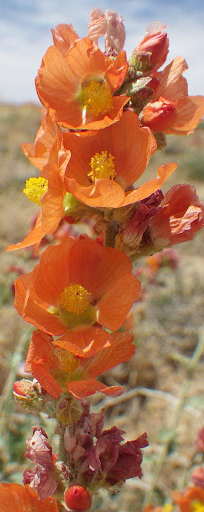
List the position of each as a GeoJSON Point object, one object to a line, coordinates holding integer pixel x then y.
{"type": "Point", "coordinates": [160, 115]}
{"type": "Point", "coordinates": [18, 389]}
{"type": "Point", "coordinates": [156, 42]}
{"type": "Point", "coordinates": [78, 498]}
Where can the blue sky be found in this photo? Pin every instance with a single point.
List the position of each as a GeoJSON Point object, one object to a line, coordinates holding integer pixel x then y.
{"type": "Point", "coordinates": [25, 35]}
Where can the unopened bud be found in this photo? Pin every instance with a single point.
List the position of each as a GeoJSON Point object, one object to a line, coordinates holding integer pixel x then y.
{"type": "Point", "coordinates": [156, 43]}
{"type": "Point", "coordinates": [28, 394]}
{"type": "Point", "coordinates": [140, 91]}
{"type": "Point", "coordinates": [77, 498]}
{"type": "Point", "coordinates": [160, 115]}
{"type": "Point", "coordinates": [18, 389]}
{"type": "Point", "coordinates": [141, 61]}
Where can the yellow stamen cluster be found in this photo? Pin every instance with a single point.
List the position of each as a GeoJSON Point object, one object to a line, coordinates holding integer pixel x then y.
{"type": "Point", "coordinates": [67, 360]}
{"type": "Point", "coordinates": [167, 508]}
{"type": "Point", "coordinates": [197, 506]}
{"type": "Point", "coordinates": [75, 299]}
{"type": "Point", "coordinates": [35, 188]}
{"type": "Point", "coordinates": [102, 167]}
{"type": "Point", "coordinates": [97, 98]}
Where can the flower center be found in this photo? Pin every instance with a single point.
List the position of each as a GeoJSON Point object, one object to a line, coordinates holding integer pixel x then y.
{"type": "Point", "coordinates": [97, 98]}
{"type": "Point", "coordinates": [75, 299]}
{"type": "Point", "coordinates": [102, 166]}
{"type": "Point", "coordinates": [197, 506]}
{"type": "Point", "coordinates": [35, 188]}
{"type": "Point", "coordinates": [67, 360]}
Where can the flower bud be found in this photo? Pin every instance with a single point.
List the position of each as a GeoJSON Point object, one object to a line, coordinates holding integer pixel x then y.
{"type": "Point", "coordinates": [156, 43]}
{"type": "Point", "coordinates": [77, 498]}
{"type": "Point", "coordinates": [18, 388]}
{"type": "Point", "coordinates": [28, 394]}
{"type": "Point", "coordinates": [160, 115]}
{"type": "Point", "coordinates": [140, 91]}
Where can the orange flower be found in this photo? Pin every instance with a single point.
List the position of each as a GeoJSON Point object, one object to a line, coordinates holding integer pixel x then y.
{"type": "Point", "coordinates": [109, 161]}
{"type": "Point", "coordinates": [52, 210]}
{"type": "Point", "coordinates": [16, 498]}
{"type": "Point", "coordinates": [171, 109]}
{"type": "Point", "coordinates": [104, 166]}
{"type": "Point", "coordinates": [190, 501]}
{"type": "Point", "coordinates": [78, 282]}
{"type": "Point", "coordinates": [180, 216]}
{"type": "Point", "coordinates": [48, 155]}
{"type": "Point", "coordinates": [73, 361]}
{"type": "Point", "coordinates": [79, 86]}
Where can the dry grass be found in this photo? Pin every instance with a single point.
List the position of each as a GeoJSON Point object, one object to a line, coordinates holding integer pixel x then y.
{"type": "Point", "coordinates": [166, 322]}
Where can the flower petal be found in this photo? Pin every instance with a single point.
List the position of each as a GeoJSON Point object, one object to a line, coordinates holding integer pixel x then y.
{"type": "Point", "coordinates": [47, 381]}
{"type": "Point", "coordinates": [115, 304]}
{"type": "Point", "coordinates": [120, 351]}
{"type": "Point", "coordinates": [145, 190]}
{"type": "Point", "coordinates": [82, 388]}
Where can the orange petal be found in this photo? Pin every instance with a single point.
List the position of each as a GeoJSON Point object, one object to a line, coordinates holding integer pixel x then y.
{"type": "Point", "coordinates": [32, 238]}
{"type": "Point", "coordinates": [52, 202]}
{"type": "Point", "coordinates": [145, 190]}
{"type": "Point", "coordinates": [190, 111]}
{"type": "Point", "coordinates": [116, 303]}
{"type": "Point", "coordinates": [172, 85]}
{"type": "Point", "coordinates": [105, 265]}
{"type": "Point", "coordinates": [41, 350]}
{"type": "Point", "coordinates": [116, 73]}
{"type": "Point", "coordinates": [39, 153]}
{"type": "Point", "coordinates": [47, 381]}
{"type": "Point", "coordinates": [104, 193]}
{"type": "Point", "coordinates": [41, 318]}
{"type": "Point", "coordinates": [85, 342]}
{"type": "Point", "coordinates": [21, 286]}
{"type": "Point", "coordinates": [50, 280]}
{"type": "Point", "coordinates": [15, 497]}
{"type": "Point", "coordinates": [191, 495]}
{"type": "Point", "coordinates": [83, 388]}
{"type": "Point", "coordinates": [120, 351]}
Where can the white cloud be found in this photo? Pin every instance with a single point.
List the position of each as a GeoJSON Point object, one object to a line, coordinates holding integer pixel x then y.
{"type": "Point", "coordinates": [25, 35]}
